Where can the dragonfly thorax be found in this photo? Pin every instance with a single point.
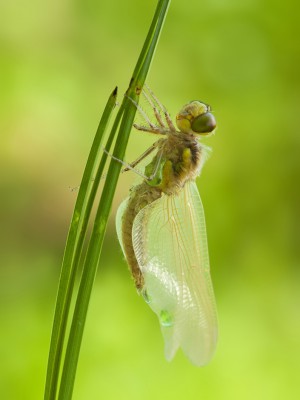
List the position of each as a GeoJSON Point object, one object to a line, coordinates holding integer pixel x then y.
{"type": "Point", "coordinates": [180, 160]}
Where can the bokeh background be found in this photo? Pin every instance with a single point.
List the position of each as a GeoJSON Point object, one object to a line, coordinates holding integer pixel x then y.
{"type": "Point", "coordinates": [59, 62]}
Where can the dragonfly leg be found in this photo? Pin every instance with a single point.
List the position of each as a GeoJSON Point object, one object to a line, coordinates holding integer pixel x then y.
{"type": "Point", "coordinates": [131, 166]}
{"type": "Point", "coordinates": [156, 110]}
{"type": "Point", "coordinates": [142, 156]}
{"type": "Point", "coordinates": [162, 109]}
{"type": "Point", "coordinates": [153, 129]}
{"type": "Point", "coordinates": [127, 166]}
{"type": "Point", "coordinates": [143, 115]}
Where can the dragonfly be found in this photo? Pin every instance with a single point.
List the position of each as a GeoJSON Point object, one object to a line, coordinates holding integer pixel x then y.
{"type": "Point", "coordinates": [162, 232]}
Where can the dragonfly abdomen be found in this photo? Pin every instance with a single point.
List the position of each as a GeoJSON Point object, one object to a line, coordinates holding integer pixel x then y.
{"type": "Point", "coordinates": [140, 197]}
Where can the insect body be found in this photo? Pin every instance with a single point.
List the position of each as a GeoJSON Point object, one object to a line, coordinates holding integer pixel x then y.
{"type": "Point", "coordinates": [161, 228]}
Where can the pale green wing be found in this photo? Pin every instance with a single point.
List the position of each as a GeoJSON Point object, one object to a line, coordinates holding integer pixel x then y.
{"type": "Point", "coordinates": [119, 217]}
{"type": "Point", "coordinates": [169, 238]}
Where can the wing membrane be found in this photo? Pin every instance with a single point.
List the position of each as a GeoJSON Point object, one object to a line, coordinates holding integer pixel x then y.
{"type": "Point", "coordinates": [169, 238]}
{"type": "Point", "coordinates": [119, 221]}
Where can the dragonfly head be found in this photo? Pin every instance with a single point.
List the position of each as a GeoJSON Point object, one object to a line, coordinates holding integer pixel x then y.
{"type": "Point", "coordinates": [196, 118]}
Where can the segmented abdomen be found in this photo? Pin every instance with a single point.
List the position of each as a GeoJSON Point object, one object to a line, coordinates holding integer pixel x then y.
{"type": "Point", "coordinates": [140, 197]}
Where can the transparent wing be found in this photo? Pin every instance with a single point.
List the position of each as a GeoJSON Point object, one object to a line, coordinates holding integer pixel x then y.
{"type": "Point", "coordinates": [119, 217]}
{"type": "Point", "coordinates": [169, 238]}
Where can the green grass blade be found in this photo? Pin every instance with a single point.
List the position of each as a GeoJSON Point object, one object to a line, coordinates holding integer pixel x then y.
{"type": "Point", "coordinates": [73, 248]}
{"type": "Point", "coordinates": [99, 228]}
{"type": "Point", "coordinates": [147, 53]}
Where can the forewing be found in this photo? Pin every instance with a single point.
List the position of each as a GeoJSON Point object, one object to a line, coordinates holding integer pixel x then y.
{"type": "Point", "coordinates": [169, 238]}
{"type": "Point", "coordinates": [119, 221]}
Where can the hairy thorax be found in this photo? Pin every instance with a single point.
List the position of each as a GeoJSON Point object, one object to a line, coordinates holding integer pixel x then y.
{"type": "Point", "coordinates": [182, 159]}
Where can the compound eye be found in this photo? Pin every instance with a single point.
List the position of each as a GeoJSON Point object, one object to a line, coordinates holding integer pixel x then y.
{"type": "Point", "coordinates": [204, 123]}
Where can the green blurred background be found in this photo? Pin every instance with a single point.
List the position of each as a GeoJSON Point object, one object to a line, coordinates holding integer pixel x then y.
{"type": "Point", "coordinates": [59, 62]}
